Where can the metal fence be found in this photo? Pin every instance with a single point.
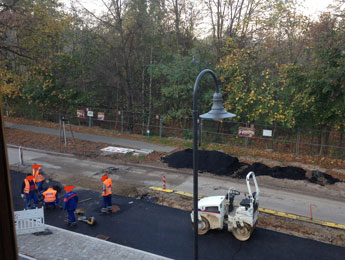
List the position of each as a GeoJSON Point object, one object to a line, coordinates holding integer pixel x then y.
{"type": "Point", "coordinates": [313, 142]}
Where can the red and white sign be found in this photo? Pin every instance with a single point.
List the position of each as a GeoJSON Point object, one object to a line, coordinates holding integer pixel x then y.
{"type": "Point", "coordinates": [81, 113]}
{"type": "Point", "coordinates": [100, 115]}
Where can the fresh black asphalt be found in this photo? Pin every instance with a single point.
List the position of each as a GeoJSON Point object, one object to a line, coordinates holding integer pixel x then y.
{"type": "Point", "coordinates": [166, 231]}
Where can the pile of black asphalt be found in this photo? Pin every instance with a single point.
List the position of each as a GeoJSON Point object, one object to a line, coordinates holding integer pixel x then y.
{"type": "Point", "coordinates": [219, 163]}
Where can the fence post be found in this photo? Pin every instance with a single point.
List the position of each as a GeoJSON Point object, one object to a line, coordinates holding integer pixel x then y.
{"type": "Point", "coordinates": [246, 140]}
{"type": "Point", "coordinates": [21, 156]}
{"type": "Point", "coordinates": [298, 141]}
{"type": "Point", "coordinates": [160, 126]}
{"type": "Point", "coordinates": [122, 119]}
{"type": "Point", "coordinates": [321, 142]}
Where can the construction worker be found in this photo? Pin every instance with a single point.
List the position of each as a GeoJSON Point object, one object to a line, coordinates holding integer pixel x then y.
{"type": "Point", "coordinates": [29, 190]}
{"type": "Point", "coordinates": [39, 176]}
{"type": "Point", "coordinates": [70, 204]}
{"type": "Point", "coordinates": [50, 197]}
{"type": "Point", "coordinates": [106, 193]}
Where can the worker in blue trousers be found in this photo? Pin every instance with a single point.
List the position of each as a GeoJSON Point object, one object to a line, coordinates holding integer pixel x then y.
{"type": "Point", "coordinates": [50, 197]}
{"type": "Point", "coordinates": [70, 204]}
{"type": "Point", "coordinates": [29, 191]}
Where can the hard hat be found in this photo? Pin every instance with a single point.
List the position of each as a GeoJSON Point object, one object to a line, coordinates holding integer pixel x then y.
{"type": "Point", "coordinates": [104, 177]}
{"type": "Point", "coordinates": [29, 178]}
{"type": "Point", "coordinates": [68, 188]}
{"type": "Point", "coordinates": [36, 166]}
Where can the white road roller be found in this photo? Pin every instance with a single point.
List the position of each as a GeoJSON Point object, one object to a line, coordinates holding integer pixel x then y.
{"type": "Point", "coordinates": [217, 212]}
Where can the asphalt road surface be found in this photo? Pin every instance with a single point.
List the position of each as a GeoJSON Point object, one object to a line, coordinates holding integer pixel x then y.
{"type": "Point", "coordinates": [166, 231]}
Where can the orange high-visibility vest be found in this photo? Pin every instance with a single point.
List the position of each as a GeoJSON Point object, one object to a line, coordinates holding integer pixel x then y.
{"type": "Point", "coordinates": [49, 195]}
{"type": "Point", "coordinates": [34, 171]}
{"type": "Point", "coordinates": [38, 176]}
{"type": "Point", "coordinates": [29, 187]}
{"type": "Point", "coordinates": [108, 184]}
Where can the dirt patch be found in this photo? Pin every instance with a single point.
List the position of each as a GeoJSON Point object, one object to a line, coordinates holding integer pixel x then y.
{"type": "Point", "coordinates": [302, 229]}
{"type": "Point", "coordinates": [78, 147]}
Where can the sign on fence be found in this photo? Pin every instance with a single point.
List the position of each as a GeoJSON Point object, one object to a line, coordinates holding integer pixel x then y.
{"type": "Point", "coordinates": [266, 132]}
{"type": "Point", "coordinates": [90, 113]}
{"type": "Point", "coordinates": [100, 115]}
{"type": "Point", "coordinates": [246, 131]}
{"type": "Point", "coordinates": [29, 221]}
{"type": "Point", "coordinates": [80, 113]}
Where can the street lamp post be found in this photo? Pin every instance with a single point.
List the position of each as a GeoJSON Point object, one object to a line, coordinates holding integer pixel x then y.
{"type": "Point", "coordinates": [217, 112]}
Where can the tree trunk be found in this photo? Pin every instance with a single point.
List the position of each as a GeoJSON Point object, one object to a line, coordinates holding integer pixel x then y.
{"type": "Point", "coordinates": [320, 142]}
{"type": "Point", "coordinates": [143, 97]}
{"type": "Point", "coordinates": [150, 92]}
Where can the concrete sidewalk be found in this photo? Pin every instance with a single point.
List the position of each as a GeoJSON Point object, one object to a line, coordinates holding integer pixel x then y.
{"type": "Point", "coordinates": [94, 138]}
{"type": "Point", "coordinates": [57, 243]}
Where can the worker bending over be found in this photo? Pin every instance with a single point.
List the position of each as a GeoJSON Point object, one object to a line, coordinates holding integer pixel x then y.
{"type": "Point", "coordinates": [70, 204]}
{"type": "Point", "coordinates": [50, 197]}
{"type": "Point", "coordinates": [106, 193]}
{"type": "Point", "coordinates": [29, 190]}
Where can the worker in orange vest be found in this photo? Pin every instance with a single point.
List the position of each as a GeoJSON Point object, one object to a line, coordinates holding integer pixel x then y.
{"type": "Point", "coordinates": [50, 197]}
{"type": "Point", "coordinates": [29, 191]}
{"type": "Point", "coordinates": [107, 193]}
{"type": "Point", "coordinates": [39, 176]}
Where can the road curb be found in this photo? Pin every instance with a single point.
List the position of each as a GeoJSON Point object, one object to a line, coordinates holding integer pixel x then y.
{"type": "Point", "coordinates": [40, 151]}
{"type": "Point", "coordinates": [268, 211]}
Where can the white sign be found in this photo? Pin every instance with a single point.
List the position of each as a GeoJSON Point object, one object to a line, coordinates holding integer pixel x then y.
{"type": "Point", "coordinates": [267, 133]}
{"type": "Point", "coordinates": [114, 149]}
{"type": "Point", "coordinates": [90, 113]}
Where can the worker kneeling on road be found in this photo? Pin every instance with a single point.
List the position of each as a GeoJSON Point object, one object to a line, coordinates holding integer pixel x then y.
{"type": "Point", "coordinates": [29, 189]}
{"type": "Point", "coordinates": [70, 204]}
{"type": "Point", "coordinates": [106, 193]}
{"type": "Point", "coordinates": [50, 197]}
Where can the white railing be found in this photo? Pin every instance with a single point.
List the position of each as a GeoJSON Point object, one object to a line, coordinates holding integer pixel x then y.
{"type": "Point", "coordinates": [29, 221]}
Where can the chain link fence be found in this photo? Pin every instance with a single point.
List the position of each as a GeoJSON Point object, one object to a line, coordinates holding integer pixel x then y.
{"type": "Point", "coordinates": [298, 141]}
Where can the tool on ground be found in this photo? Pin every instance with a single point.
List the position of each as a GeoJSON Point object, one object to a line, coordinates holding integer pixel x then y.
{"type": "Point", "coordinates": [218, 211]}
{"type": "Point", "coordinates": [85, 200]}
{"type": "Point", "coordinates": [80, 216]}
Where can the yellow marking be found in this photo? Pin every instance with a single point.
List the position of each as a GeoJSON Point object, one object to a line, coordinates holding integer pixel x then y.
{"type": "Point", "coordinates": [302, 218]}
{"type": "Point", "coordinates": [184, 193]}
{"type": "Point", "coordinates": [269, 211]}
{"type": "Point", "coordinates": [282, 214]}
{"type": "Point", "coordinates": [291, 216]}
{"type": "Point", "coordinates": [161, 189]}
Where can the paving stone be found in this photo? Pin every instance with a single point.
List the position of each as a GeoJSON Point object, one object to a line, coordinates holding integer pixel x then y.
{"type": "Point", "coordinates": [72, 245]}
